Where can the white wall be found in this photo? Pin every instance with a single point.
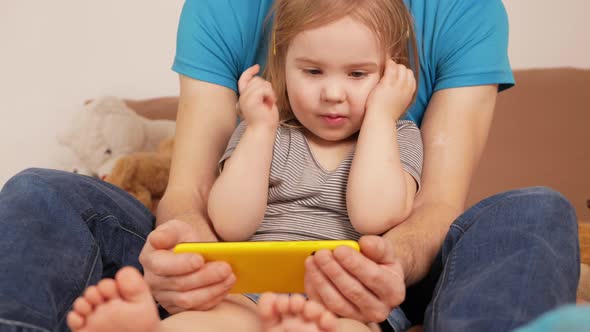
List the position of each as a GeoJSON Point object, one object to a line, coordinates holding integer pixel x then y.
{"type": "Point", "coordinates": [56, 54]}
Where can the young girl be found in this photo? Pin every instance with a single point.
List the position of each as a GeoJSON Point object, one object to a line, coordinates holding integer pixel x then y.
{"type": "Point", "coordinates": [320, 154]}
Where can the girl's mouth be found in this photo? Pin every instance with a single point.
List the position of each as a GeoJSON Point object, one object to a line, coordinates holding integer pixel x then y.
{"type": "Point", "coordinates": [333, 120]}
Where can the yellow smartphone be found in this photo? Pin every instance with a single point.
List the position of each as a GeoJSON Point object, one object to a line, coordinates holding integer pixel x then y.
{"type": "Point", "coordinates": [269, 266]}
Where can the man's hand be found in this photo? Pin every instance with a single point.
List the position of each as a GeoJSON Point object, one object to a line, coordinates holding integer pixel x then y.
{"type": "Point", "coordinates": [365, 286]}
{"type": "Point", "coordinates": [180, 282]}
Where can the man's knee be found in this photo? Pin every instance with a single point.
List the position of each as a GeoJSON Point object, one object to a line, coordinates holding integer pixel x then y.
{"type": "Point", "coordinates": [39, 180]}
{"type": "Point", "coordinates": [534, 208]}
{"type": "Point", "coordinates": [547, 213]}
{"type": "Point", "coordinates": [547, 204]}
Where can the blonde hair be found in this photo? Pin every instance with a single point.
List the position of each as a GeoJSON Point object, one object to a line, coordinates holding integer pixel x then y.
{"type": "Point", "coordinates": [390, 20]}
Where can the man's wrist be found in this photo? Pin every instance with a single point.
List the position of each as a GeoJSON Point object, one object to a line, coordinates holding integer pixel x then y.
{"type": "Point", "coordinates": [418, 239]}
{"type": "Point", "coordinates": [185, 206]}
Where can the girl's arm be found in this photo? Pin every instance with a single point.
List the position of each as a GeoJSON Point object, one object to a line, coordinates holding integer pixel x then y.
{"type": "Point", "coordinates": [237, 200]}
{"type": "Point", "coordinates": [380, 193]}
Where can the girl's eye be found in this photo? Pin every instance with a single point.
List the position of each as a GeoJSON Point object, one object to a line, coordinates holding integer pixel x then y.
{"type": "Point", "coordinates": [313, 72]}
{"type": "Point", "coordinates": [358, 74]}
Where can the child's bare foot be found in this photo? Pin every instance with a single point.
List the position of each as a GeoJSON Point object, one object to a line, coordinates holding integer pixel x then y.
{"type": "Point", "coordinates": [123, 304]}
{"type": "Point", "coordinates": [283, 313]}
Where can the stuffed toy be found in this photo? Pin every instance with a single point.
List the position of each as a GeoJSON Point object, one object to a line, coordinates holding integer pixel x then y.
{"type": "Point", "coordinates": [68, 161]}
{"type": "Point", "coordinates": [106, 130]}
{"type": "Point", "coordinates": [144, 174]}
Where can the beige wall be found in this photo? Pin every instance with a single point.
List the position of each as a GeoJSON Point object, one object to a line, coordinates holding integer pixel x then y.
{"type": "Point", "coordinates": [549, 33]}
{"type": "Point", "coordinates": [56, 54]}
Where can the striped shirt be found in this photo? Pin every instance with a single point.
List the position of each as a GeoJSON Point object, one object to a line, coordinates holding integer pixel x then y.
{"type": "Point", "coordinates": [306, 202]}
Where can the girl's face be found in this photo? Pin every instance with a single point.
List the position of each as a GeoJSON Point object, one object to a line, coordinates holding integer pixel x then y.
{"type": "Point", "coordinates": [329, 73]}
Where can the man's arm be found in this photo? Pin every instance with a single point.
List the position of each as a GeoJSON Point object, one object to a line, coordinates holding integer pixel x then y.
{"type": "Point", "coordinates": [206, 119]}
{"type": "Point", "coordinates": [454, 130]}
{"type": "Point", "coordinates": [160, 108]}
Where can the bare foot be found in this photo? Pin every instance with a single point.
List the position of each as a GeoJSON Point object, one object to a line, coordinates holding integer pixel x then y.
{"type": "Point", "coordinates": [284, 313]}
{"type": "Point", "coordinates": [123, 304]}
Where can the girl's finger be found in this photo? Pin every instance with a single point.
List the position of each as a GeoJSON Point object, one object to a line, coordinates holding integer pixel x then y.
{"type": "Point", "coordinates": [247, 76]}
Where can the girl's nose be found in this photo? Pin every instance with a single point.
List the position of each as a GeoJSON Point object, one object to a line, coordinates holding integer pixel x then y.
{"type": "Point", "coordinates": [333, 92]}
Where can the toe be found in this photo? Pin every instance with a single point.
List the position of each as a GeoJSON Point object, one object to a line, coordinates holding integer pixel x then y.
{"type": "Point", "coordinates": [108, 289]}
{"type": "Point", "coordinates": [297, 302]}
{"type": "Point", "coordinates": [132, 286]}
{"type": "Point", "coordinates": [82, 307]}
{"type": "Point", "coordinates": [283, 304]}
{"type": "Point", "coordinates": [75, 321]}
{"type": "Point", "coordinates": [312, 311]}
{"type": "Point", "coordinates": [327, 321]}
{"type": "Point", "coordinates": [93, 296]}
{"type": "Point", "coordinates": [266, 305]}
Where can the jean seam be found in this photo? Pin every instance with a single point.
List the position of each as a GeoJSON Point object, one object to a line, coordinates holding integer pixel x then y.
{"type": "Point", "coordinates": [78, 290]}
{"type": "Point", "coordinates": [446, 280]}
{"type": "Point", "coordinates": [449, 265]}
{"type": "Point", "coordinates": [73, 293]}
{"type": "Point", "coordinates": [130, 231]}
{"type": "Point", "coordinates": [435, 298]}
{"type": "Point", "coordinates": [134, 201]}
{"type": "Point", "coordinates": [21, 324]}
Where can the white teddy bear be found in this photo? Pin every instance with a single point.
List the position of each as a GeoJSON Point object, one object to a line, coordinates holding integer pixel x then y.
{"type": "Point", "coordinates": [107, 129]}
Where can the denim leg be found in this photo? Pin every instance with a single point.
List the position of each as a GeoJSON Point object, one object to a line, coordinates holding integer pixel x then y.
{"type": "Point", "coordinates": [506, 261]}
{"type": "Point", "coordinates": [61, 232]}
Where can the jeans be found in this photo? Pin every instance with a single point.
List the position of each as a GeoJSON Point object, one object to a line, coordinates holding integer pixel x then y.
{"type": "Point", "coordinates": [59, 233]}
{"type": "Point", "coordinates": [503, 263]}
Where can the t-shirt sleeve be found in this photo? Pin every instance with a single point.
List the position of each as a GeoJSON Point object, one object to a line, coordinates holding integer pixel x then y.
{"type": "Point", "coordinates": [411, 150]}
{"type": "Point", "coordinates": [216, 40]}
{"type": "Point", "coordinates": [473, 46]}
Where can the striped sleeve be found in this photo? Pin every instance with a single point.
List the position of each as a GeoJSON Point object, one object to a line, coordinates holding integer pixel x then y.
{"type": "Point", "coordinates": [233, 143]}
{"type": "Point", "coordinates": [235, 139]}
{"type": "Point", "coordinates": [411, 149]}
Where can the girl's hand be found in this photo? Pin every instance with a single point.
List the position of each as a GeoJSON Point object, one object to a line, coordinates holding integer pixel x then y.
{"type": "Point", "coordinates": [257, 99]}
{"type": "Point", "coordinates": [394, 91]}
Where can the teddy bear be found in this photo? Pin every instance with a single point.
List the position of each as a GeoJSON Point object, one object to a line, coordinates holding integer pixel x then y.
{"type": "Point", "coordinates": [106, 130]}
{"type": "Point", "coordinates": [144, 175]}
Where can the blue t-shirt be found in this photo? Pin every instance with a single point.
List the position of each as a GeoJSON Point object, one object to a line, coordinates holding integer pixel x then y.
{"type": "Point", "coordinates": [460, 43]}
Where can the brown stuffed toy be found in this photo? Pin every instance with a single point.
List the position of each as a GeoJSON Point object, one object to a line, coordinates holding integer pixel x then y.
{"type": "Point", "coordinates": [144, 174]}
